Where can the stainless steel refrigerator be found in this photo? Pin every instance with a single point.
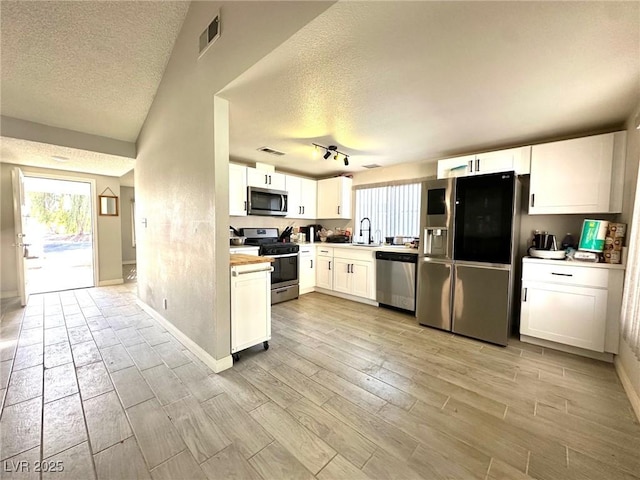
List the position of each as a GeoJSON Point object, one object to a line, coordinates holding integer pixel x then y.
{"type": "Point", "coordinates": [465, 275]}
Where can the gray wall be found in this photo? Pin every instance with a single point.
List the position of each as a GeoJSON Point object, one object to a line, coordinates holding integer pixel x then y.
{"type": "Point", "coordinates": [182, 170]}
{"type": "Point", "coordinates": [126, 201]}
{"type": "Point", "coordinates": [109, 229]}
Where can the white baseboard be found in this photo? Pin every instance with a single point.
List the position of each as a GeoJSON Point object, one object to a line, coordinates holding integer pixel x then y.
{"type": "Point", "coordinates": [634, 397]}
{"type": "Point", "coordinates": [346, 296]}
{"type": "Point", "coordinates": [605, 357]}
{"type": "Point", "coordinates": [106, 283]}
{"type": "Point", "coordinates": [128, 262]}
{"type": "Point", "coordinates": [216, 365]}
{"type": "Point", "coordinates": [9, 294]}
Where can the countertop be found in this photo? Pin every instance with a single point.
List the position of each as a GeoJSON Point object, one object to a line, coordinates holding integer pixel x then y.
{"type": "Point", "coordinates": [374, 248]}
{"type": "Point", "coordinates": [574, 263]}
{"type": "Point", "coordinates": [242, 259]}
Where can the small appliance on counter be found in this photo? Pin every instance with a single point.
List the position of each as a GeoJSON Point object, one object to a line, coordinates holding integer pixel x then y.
{"type": "Point", "coordinates": [311, 232]}
{"type": "Point", "coordinates": [339, 239]}
{"type": "Point", "coordinates": [544, 245]}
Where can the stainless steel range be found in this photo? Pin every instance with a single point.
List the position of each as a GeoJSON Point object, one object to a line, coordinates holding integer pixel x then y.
{"type": "Point", "coordinates": [284, 278]}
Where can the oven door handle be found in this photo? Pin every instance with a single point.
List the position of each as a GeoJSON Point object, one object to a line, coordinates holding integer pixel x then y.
{"type": "Point", "coordinates": [284, 256]}
{"type": "Point", "coordinates": [237, 274]}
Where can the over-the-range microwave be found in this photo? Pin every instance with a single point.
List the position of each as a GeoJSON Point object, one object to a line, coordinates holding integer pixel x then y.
{"type": "Point", "coordinates": [264, 201]}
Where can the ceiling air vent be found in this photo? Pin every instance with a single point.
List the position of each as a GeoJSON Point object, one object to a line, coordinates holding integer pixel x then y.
{"type": "Point", "coordinates": [270, 151]}
{"type": "Point", "coordinates": [371, 165]}
{"type": "Point", "coordinates": [210, 34]}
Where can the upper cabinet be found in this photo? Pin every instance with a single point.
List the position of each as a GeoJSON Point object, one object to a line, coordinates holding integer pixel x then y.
{"type": "Point", "coordinates": [303, 197]}
{"type": "Point", "coordinates": [582, 175]}
{"type": "Point", "coordinates": [265, 179]}
{"type": "Point", "coordinates": [334, 198]}
{"type": "Point", "coordinates": [511, 159]}
{"type": "Point", "coordinates": [237, 190]}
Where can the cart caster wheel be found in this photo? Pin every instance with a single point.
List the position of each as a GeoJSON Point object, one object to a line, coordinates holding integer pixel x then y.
{"type": "Point", "coordinates": [235, 357]}
{"type": "Point", "coordinates": [265, 345]}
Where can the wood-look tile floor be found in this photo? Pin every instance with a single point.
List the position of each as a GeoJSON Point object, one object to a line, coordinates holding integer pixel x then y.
{"type": "Point", "coordinates": [92, 383]}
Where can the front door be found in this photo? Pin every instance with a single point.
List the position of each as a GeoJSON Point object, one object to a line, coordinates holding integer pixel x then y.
{"type": "Point", "coordinates": [20, 240]}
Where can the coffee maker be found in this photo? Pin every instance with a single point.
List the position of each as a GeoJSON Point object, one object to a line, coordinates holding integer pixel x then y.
{"type": "Point", "coordinates": [311, 232]}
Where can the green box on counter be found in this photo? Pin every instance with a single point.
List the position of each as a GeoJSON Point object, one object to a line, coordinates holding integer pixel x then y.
{"type": "Point", "coordinates": [593, 235]}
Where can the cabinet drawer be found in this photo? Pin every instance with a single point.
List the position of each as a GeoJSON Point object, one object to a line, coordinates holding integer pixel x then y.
{"type": "Point", "coordinates": [325, 251]}
{"type": "Point", "coordinates": [355, 253]}
{"type": "Point", "coordinates": [307, 250]}
{"type": "Point", "coordinates": [566, 275]}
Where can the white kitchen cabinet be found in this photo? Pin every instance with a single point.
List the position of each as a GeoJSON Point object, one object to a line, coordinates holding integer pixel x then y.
{"type": "Point", "coordinates": [250, 320]}
{"type": "Point", "coordinates": [582, 175]}
{"type": "Point", "coordinates": [353, 277]}
{"type": "Point", "coordinates": [574, 305]}
{"type": "Point", "coordinates": [511, 159]}
{"type": "Point", "coordinates": [308, 267]}
{"type": "Point", "coordinates": [354, 272]}
{"type": "Point", "coordinates": [237, 190]}
{"type": "Point", "coordinates": [303, 197]}
{"type": "Point", "coordinates": [456, 167]}
{"type": "Point", "coordinates": [324, 267]}
{"type": "Point", "coordinates": [334, 198]}
{"type": "Point", "coordinates": [265, 179]}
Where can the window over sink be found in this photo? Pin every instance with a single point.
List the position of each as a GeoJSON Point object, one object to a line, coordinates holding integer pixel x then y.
{"type": "Point", "coordinates": [394, 210]}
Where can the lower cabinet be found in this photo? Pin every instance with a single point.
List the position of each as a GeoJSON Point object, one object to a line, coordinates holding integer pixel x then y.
{"type": "Point", "coordinates": [308, 267]}
{"type": "Point", "coordinates": [575, 305]}
{"type": "Point", "coordinates": [346, 270]}
{"type": "Point", "coordinates": [250, 320]}
{"type": "Point", "coordinates": [353, 277]}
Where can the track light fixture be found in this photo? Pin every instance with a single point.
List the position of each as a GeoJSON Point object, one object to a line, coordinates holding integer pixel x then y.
{"type": "Point", "coordinates": [332, 150]}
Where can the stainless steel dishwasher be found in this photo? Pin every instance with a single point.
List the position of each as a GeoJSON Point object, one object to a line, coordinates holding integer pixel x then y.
{"type": "Point", "coordinates": [396, 280]}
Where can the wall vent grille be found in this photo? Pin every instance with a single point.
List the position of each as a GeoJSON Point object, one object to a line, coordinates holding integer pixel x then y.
{"type": "Point", "coordinates": [210, 34]}
{"type": "Point", "coordinates": [271, 151]}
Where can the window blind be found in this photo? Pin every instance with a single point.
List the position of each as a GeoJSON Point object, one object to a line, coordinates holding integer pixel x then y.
{"type": "Point", "coordinates": [394, 210]}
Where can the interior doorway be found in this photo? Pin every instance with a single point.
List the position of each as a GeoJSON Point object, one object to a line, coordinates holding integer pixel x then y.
{"type": "Point", "coordinates": [59, 229]}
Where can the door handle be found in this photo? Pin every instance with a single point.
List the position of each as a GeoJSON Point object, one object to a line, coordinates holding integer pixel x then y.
{"type": "Point", "coordinates": [303, 209]}
{"type": "Point", "coordinates": [533, 199]}
{"type": "Point", "coordinates": [352, 270]}
{"type": "Point", "coordinates": [269, 179]}
{"type": "Point", "coordinates": [477, 164]}
{"type": "Point", "coordinates": [329, 264]}
{"type": "Point", "coordinates": [348, 268]}
{"type": "Point", "coordinates": [562, 274]}
{"type": "Point", "coordinates": [524, 295]}
{"type": "Point", "coordinates": [470, 166]}
{"type": "Point", "coordinates": [284, 203]}
{"type": "Point", "coordinates": [266, 182]}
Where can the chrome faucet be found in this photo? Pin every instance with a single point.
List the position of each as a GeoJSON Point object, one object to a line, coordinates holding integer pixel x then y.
{"type": "Point", "coordinates": [376, 238]}
{"type": "Point", "coordinates": [368, 230]}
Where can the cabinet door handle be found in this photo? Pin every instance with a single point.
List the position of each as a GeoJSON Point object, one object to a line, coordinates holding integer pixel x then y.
{"type": "Point", "coordinates": [329, 264]}
{"type": "Point", "coordinates": [562, 274]}
{"type": "Point", "coordinates": [266, 181]}
{"type": "Point", "coordinates": [303, 209]}
{"type": "Point", "coordinates": [312, 263]}
{"type": "Point", "coordinates": [524, 295]}
{"type": "Point", "coordinates": [338, 209]}
{"type": "Point", "coordinates": [470, 166]}
{"type": "Point", "coordinates": [348, 268]}
{"type": "Point", "coordinates": [533, 199]}
{"type": "Point", "coordinates": [352, 270]}
{"type": "Point", "coordinates": [245, 205]}
{"type": "Point", "coordinates": [269, 179]}
{"type": "Point", "coordinates": [477, 164]}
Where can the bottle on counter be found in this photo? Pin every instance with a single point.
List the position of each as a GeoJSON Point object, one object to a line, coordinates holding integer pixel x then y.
{"type": "Point", "coordinates": [568, 242]}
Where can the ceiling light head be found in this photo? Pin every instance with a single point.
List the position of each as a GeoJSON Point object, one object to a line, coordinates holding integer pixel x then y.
{"type": "Point", "coordinates": [335, 157]}
{"type": "Point", "coordinates": [346, 161]}
{"type": "Point", "coordinates": [327, 154]}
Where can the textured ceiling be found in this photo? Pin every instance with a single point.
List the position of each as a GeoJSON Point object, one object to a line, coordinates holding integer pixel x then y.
{"type": "Point", "coordinates": [27, 153]}
{"type": "Point", "coordinates": [89, 66]}
{"type": "Point", "coordinates": [394, 82]}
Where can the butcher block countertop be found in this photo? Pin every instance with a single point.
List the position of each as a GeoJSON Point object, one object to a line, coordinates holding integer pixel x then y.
{"type": "Point", "coordinates": [243, 259]}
